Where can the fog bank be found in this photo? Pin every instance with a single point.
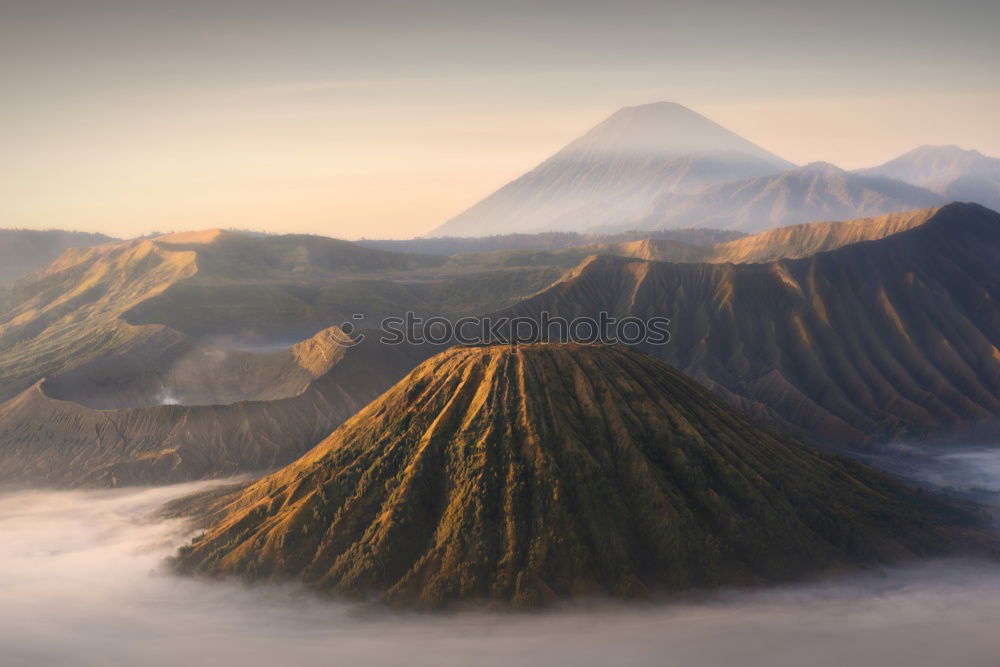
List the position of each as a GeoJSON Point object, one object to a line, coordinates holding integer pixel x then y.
{"type": "Point", "coordinates": [82, 585]}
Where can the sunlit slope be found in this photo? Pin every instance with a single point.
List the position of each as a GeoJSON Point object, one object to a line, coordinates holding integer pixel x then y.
{"type": "Point", "coordinates": [524, 475]}
{"type": "Point", "coordinates": [93, 303]}
{"type": "Point", "coordinates": [791, 242]}
{"type": "Point", "coordinates": [96, 302]}
{"type": "Point", "coordinates": [807, 239]}
{"type": "Point", "coordinates": [248, 284]}
{"type": "Point", "coordinates": [656, 249]}
{"type": "Point", "coordinates": [51, 442]}
{"type": "Point", "coordinates": [71, 312]}
{"type": "Point", "coordinates": [890, 338]}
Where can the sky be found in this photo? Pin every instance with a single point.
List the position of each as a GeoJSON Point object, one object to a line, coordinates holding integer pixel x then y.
{"type": "Point", "coordinates": [384, 118]}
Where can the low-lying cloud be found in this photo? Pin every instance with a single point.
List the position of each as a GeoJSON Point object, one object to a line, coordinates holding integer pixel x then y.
{"type": "Point", "coordinates": [82, 584]}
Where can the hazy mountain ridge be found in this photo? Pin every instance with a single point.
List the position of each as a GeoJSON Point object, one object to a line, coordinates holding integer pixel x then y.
{"type": "Point", "coordinates": [91, 302]}
{"type": "Point", "coordinates": [950, 171]}
{"type": "Point", "coordinates": [70, 324]}
{"type": "Point", "coordinates": [661, 166]}
{"type": "Point", "coordinates": [812, 193]}
{"type": "Point", "coordinates": [119, 328]}
{"type": "Point", "coordinates": [684, 245]}
{"type": "Point", "coordinates": [895, 337]}
{"type": "Point", "coordinates": [23, 251]}
{"type": "Point", "coordinates": [609, 176]}
{"type": "Point", "coordinates": [798, 241]}
{"type": "Point", "coordinates": [521, 476]}
{"type": "Point", "coordinates": [546, 241]}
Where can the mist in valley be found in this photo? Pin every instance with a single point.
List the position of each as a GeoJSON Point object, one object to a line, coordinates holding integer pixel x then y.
{"type": "Point", "coordinates": [83, 583]}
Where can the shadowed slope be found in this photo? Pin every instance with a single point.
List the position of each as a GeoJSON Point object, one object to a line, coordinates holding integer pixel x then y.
{"type": "Point", "coordinates": [170, 368]}
{"type": "Point", "coordinates": [49, 442]}
{"type": "Point", "coordinates": [522, 475]}
{"type": "Point", "coordinates": [894, 337]}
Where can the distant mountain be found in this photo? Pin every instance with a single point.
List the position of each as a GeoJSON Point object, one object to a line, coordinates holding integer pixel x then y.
{"type": "Point", "coordinates": [25, 250]}
{"type": "Point", "coordinates": [950, 171]}
{"type": "Point", "coordinates": [526, 475]}
{"type": "Point", "coordinates": [797, 241]}
{"type": "Point", "coordinates": [891, 338]}
{"type": "Point", "coordinates": [546, 241]}
{"type": "Point", "coordinates": [179, 357]}
{"type": "Point", "coordinates": [93, 302]}
{"type": "Point", "coordinates": [656, 249]}
{"type": "Point", "coordinates": [614, 172]}
{"type": "Point", "coordinates": [791, 242]}
{"type": "Point", "coordinates": [668, 245]}
{"type": "Point", "coordinates": [819, 191]}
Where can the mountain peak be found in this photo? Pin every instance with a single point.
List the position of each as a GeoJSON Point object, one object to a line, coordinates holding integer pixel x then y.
{"type": "Point", "coordinates": [951, 171]}
{"type": "Point", "coordinates": [199, 237]}
{"type": "Point", "coordinates": [611, 175]}
{"type": "Point", "coordinates": [653, 112]}
{"type": "Point", "coordinates": [522, 475]}
{"type": "Point", "coordinates": [950, 150]}
{"type": "Point", "coordinates": [664, 128]}
{"type": "Point", "coordinates": [822, 167]}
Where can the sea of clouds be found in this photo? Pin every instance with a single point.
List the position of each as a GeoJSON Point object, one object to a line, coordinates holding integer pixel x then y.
{"type": "Point", "coordinates": [82, 584]}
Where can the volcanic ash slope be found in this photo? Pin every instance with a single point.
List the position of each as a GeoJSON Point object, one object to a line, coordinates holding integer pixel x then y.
{"type": "Point", "coordinates": [519, 476]}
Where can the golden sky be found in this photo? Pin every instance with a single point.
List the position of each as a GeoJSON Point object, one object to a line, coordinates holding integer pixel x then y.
{"type": "Point", "coordinates": [385, 118]}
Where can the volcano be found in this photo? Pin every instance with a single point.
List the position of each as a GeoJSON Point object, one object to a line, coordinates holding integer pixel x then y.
{"type": "Point", "coordinates": [518, 476]}
{"type": "Point", "coordinates": [816, 192]}
{"type": "Point", "coordinates": [950, 171]}
{"type": "Point", "coordinates": [612, 175]}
